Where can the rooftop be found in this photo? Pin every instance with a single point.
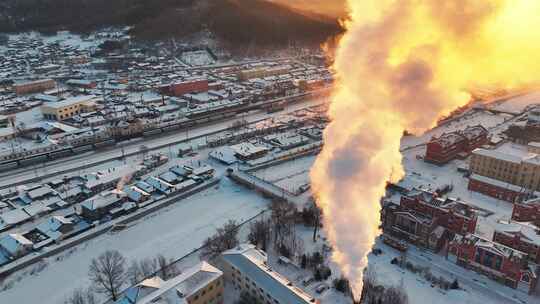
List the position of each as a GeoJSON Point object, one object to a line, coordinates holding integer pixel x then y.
{"type": "Point", "coordinates": [252, 263]}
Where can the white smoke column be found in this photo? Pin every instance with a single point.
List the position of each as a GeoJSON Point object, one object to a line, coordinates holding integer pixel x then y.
{"type": "Point", "coordinates": [400, 66]}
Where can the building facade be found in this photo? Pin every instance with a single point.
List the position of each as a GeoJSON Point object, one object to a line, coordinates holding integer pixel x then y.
{"type": "Point", "coordinates": [510, 172]}
{"type": "Point", "coordinates": [527, 211]}
{"type": "Point", "coordinates": [520, 236]}
{"type": "Point", "coordinates": [426, 220]}
{"type": "Point", "coordinates": [200, 284]}
{"type": "Point", "coordinates": [440, 150]}
{"type": "Point", "coordinates": [501, 263]}
{"type": "Point", "coordinates": [68, 108]}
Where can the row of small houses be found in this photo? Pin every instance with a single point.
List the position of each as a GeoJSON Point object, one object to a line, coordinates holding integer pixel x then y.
{"type": "Point", "coordinates": [30, 202]}
{"type": "Point", "coordinates": [102, 208]}
{"type": "Point", "coordinates": [448, 226]}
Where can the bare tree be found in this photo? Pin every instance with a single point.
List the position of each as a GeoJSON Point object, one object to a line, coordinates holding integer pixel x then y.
{"type": "Point", "coordinates": [259, 233]}
{"type": "Point", "coordinates": [107, 273]}
{"type": "Point", "coordinates": [167, 268]}
{"type": "Point", "coordinates": [139, 270]}
{"type": "Point", "coordinates": [81, 296]}
{"type": "Point", "coordinates": [226, 237]}
{"type": "Point", "coordinates": [284, 226]}
{"type": "Point", "coordinates": [395, 295]}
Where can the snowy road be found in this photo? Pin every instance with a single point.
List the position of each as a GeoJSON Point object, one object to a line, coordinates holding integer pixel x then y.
{"type": "Point", "coordinates": [173, 232]}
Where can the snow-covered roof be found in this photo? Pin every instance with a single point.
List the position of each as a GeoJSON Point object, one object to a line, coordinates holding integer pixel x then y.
{"type": "Point", "coordinates": [13, 242]}
{"type": "Point", "coordinates": [526, 231]}
{"type": "Point", "coordinates": [70, 101]}
{"type": "Point", "coordinates": [252, 263]}
{"type": "Point", "coordinates": [14, 216]}
{"type": "Point", "coordinates": [179, 288]}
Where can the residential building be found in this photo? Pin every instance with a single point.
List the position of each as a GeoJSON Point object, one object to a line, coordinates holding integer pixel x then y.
{"type": "Point", "coordinates": [502, 263]}
{"type": "Point", "coordinates": [246, 268]}
{"type": "Point", "coordinates": [36, 86]}
{"type": "Point", "coordinates": [201, 284]}
{"type": "Point", "coordinates": [458, 144]}
{"type": "Point", "coordinates": [68, 108]}
{"type": "Point", "coordinates": [511, 172]}
{"type": "Point", "coordinates": [524, 237]}
{"type": "Point", "coordinates": [14, 245]}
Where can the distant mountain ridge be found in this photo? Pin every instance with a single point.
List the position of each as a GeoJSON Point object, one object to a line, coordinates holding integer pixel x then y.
{"type": "Point", "coordinates": [233, 21]}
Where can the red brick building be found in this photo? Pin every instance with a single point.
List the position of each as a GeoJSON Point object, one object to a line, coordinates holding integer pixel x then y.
{"type": "Point", "coordinates": [186, 87]}
{"type": "Point", "coordinates": [456, 216]}
{"type": "Point", "coordinates": [501, 263]}
{"type": "Point", "coordinates": [497, 189]}
{"type": "Point", "coordinates": [527, 211]}
{"type": "Point", "coordinates": [440, 150]}
{"type": "Point", "coordinates": [524, 237]}
{"type": "Point", "coordinates": [426, 220]}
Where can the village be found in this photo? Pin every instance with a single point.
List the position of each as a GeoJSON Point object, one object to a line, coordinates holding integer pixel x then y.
{"type": "Point", "coordinates": [191, 170]}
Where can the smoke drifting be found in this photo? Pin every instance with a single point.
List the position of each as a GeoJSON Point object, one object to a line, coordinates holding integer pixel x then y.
{"type": "Point", "coordinates": [400, 66]}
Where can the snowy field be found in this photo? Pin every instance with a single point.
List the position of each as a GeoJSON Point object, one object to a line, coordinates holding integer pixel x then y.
{"type": "Point", "coordinates": [290, 175]}
{"type": "Point", "coordinates": [173, 232]}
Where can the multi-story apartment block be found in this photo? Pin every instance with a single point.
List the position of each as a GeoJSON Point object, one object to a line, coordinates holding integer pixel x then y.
{"type": "Point", "coordinates": [247, 269]}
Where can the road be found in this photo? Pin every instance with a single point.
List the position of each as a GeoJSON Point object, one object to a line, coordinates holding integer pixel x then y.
{"type": "Point", "coordinates": [69, 164]}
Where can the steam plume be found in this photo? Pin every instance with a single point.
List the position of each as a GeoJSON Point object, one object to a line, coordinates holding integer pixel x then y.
{"type": "Point", "coordinates": [400, 66]}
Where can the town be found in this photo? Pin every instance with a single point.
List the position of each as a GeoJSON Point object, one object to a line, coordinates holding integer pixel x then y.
{"type": "Point", "coordinates": [186, 171]}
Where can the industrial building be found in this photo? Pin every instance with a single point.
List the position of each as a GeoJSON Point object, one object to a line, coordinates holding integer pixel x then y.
{"type": "Point", "coordinates": [68, 108]}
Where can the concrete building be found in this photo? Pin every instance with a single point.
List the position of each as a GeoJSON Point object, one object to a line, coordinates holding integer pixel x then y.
{"type": "Point", "coordinates": [201, 284]}
{"type": "Point", "coordinates": [36, 86]}
{"type": "Point", "coordinates": [501, 263]}
{"type": "Point", "coordinates": [510, 172]}
{"type": "Point", "coordinates": [459, 144]}
{"type": "Point", "coordinates": [68, 108]}
{"type": "Point", "coordinates": [247, 269]}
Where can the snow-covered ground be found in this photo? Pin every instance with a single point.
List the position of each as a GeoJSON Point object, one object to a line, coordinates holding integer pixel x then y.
{"type": "Point", "coordinates": [471, 118]}
{"type": "Point", "coordinates": [173, 232]}
{"type": "Point", "coordinates": [518, 104]}
{"type": "Point", "coordinates": [476, 289]}
{"type": "Point", "coordinates": [290, 175]}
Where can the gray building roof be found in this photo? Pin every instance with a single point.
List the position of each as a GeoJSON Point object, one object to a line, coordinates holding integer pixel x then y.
{"type": "Point", "coordinates": [271, 282]}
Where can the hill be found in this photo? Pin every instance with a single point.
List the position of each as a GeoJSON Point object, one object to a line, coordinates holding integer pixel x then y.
{"type": "Point", "coordinates": [233, 21]}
